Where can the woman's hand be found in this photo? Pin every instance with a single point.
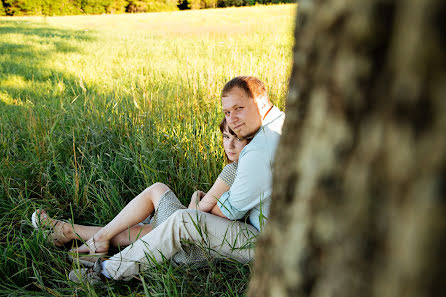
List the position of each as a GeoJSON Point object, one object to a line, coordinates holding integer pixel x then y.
{"type": "Point", "coordinates": [195, 199]}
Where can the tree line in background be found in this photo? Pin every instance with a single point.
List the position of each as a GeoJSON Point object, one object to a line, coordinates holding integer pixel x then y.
{"type": "Point", "coordinates": [72, 7]}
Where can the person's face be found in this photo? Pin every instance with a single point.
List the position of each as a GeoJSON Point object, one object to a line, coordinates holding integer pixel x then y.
{"type": "Point", "coordinates": [241, 112]}
{"type": "Point", "coordinates": [232, 145]}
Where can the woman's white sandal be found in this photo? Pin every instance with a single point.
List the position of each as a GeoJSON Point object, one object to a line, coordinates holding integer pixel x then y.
{"type": "Point", "coordinates": [88, 259]}
{"type": "Point", "coordinates": [41, 221]}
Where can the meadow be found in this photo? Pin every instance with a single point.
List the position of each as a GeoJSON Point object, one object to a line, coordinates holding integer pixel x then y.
{"type": "Point", "coordinates": [93, 109]}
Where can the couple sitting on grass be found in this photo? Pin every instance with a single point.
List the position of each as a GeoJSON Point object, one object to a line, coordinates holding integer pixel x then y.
{"type": "Point", "coordinates": [211, 225]}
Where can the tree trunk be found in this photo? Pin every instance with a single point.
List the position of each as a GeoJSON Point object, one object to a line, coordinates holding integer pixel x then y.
{"type": "Point", "coordinates": [359, 196]}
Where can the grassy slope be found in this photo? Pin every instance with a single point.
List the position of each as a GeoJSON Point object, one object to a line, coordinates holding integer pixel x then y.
{"type": "Point", "coordinates": [95, 108]}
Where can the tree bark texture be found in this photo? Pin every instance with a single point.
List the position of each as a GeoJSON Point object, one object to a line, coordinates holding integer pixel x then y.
{"type": "Point", "coordinates": [359, 195]}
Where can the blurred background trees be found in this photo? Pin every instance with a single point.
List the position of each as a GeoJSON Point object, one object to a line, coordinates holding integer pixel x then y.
{"type": "Point", "coordinates": [72, 7]}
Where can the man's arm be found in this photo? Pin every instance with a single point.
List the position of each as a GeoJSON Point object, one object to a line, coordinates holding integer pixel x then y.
{"type": "Point", "coordinates": [252, 181]}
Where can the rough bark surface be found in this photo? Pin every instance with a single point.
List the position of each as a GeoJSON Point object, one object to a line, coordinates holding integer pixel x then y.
{"type": "Point", "coordinates": [359, 196]}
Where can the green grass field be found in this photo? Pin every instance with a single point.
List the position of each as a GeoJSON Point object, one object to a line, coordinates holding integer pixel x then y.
{"type": "Point", "coordinates": [93, 109]}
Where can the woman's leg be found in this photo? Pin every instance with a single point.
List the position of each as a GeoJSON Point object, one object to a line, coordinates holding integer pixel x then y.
{"type": "Point", "coordinates": [133, 213]}
{"type": "Point", "coordinates": [124, 238]}
{"type": "Point", "coordinates": [131, 235]}
{"type": "Point", "coordinates": [63, 232]}
{"type": "Point", "coordinates": [67, 232]}
{"type": "Point", "coordinates": [121, 231]}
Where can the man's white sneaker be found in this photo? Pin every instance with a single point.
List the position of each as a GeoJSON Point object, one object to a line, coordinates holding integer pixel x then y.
{"type": "Point", "coordinates": [92, 275]}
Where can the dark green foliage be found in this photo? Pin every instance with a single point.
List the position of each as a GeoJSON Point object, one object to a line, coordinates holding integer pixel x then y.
{"type": "Point", "coordinates": [14, 7]}
{"type": "Point", "coordinates": [94, 6]}
{"type": "Point", "coordinates": [228, 3]}
{"type": "Point", "coordinates": [200, 4]}
{"type": "Point", "coordinates": [117, 6]}
{"type": "Point", "coordinates": [64, 7]}
{"type": "Point", "coordinates": [42, 7]}
{"type": "Point", "coordinates": [72, 7]}
{"type": "Point", "coordinates": [151, 5]}
{"type": "Point", "coordinates": [2, 9]}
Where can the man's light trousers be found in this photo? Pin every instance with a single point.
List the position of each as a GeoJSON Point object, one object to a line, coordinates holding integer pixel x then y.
{"type": "Point", "coordinates": [222, 238]}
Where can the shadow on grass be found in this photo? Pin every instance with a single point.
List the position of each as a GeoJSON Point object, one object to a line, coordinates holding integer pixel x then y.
{"type": "Point", "coordinates": [32, 92]}
{"type": "Point", "coordinates": [41, 30]}
{"type": "Point", "coordinates": [28, 107]}
{"type": "Point", "coordinates": [26, 50]}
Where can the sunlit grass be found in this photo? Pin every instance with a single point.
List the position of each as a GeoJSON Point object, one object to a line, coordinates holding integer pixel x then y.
{"type": "Point", "coordinates": [93, 109]}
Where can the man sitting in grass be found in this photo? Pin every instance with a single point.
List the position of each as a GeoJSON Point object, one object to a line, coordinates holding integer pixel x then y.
{"type": "Point", "coordinates": [250, 114]}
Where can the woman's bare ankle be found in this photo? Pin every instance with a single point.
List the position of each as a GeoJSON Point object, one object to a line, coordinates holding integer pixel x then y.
{"type": "Point", "coordinates": [99, 237]}
{"type": "Point", "coordinates": [67, 229]}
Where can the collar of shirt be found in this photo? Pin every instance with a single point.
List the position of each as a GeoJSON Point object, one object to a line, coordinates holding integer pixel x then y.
{"type": "Point", "coordinates": [272, 115]}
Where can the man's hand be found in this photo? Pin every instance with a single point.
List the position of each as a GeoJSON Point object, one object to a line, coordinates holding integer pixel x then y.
{"type": "Point", "coordinates": [195, 199]}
